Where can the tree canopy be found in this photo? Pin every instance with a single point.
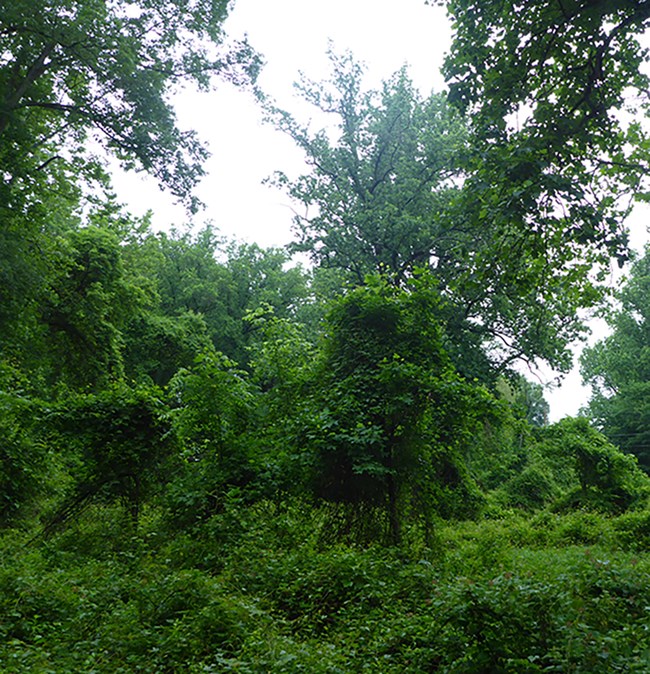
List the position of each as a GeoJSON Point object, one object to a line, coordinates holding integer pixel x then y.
{"type": "Point", "coordinates": [401, 183]}
{"type": "Point", "coordinates": [381, 178]}
{"type": "Point", "coordinates": [556, 92]}
{"type": "Point", "coordinates": [618, 367]}
{"type": "Point", "coordinates": [93, 71]}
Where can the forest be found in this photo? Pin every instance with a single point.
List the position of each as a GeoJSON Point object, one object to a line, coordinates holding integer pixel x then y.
{"type": "Point", "coordinates": [324, 458]}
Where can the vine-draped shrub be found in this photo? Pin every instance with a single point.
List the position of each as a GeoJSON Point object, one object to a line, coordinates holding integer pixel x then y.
{"type": "Point", "coordinates": [388, 418]}
{"type": "Point", "coordinates": [118, 442]}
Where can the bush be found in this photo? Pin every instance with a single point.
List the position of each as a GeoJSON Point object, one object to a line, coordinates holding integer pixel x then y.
{"type": "Point", "coordinates": [531, 489]}
{"type": "Point", "coordinates": [569, 466]}
{"type": "Point", "coordinates": [118, 442]}
{"type": "Point", "coordinates": [23, 458]}
{"type": "Point", "coordinates": [632, 530]}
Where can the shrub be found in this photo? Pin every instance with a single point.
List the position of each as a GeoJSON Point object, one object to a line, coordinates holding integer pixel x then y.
{"type": "Point", "coordinates": [23, 458]}
{"type": "Point", "coordinates": [118, 440]}
{"type": "Point", "coordinates": [531, 489]}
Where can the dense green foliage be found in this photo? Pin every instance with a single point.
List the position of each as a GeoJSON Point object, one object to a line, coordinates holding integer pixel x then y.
{"type": "Point", "coordinates": [214, 460]}
{"type": "Point", "coordinates": [550, 86]}
{"type": "Point", "coordinates": [256, 593]}
{"type": "Point", "coordinates": [76, 70]}
{"type": "Point", "coordinates": [400, 182]}
{"type": "Point", "coordinates": [618, 370]}
{"type": "Point", "coordinates": [387, 420]}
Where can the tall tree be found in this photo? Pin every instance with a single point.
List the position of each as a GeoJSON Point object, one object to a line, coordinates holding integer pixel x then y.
{"type": "Point", "coordinates": [618, 368]}
{"type": "Point", "coordinates": [395, 185]}
{"type": "Point", "coordinates": [549, 87]}
{"type": "Point", "coordinates": [381, 177]}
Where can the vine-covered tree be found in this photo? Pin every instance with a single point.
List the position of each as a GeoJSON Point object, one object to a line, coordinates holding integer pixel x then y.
{"type": "Point", "coordinates": [89, 303]}
{"type": "Point", "coordinates": [386, 415]}
{"type": "Point", "coordinates": [118, 440]}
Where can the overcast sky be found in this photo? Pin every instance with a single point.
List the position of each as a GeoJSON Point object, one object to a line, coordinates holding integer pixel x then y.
{"type": "Point", "coordinates": [293, 36]}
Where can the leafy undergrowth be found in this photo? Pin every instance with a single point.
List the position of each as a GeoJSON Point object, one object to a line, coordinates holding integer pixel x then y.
{"type": "Point", "coordinates": [255, 590]}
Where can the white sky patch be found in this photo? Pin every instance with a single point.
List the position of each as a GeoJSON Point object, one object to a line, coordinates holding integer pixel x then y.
{"type": "Point", "coordinates": [292, 36]}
